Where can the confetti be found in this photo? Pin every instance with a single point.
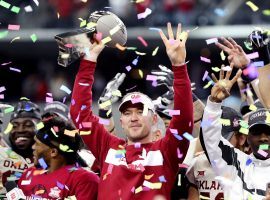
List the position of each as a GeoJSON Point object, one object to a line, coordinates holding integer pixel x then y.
{"type": "Point", "coordinates": [13, 27]}
{"type": "Point", "coordinates": [110, 168]}
{"type": "Point", "coordinates": [148, 177]}
{"type": "Point", "coordinates": [42, 163]}
{"type": "Point", "coordinates": [252, 6]}
{"type": "Point", "coordinates": [243, 131]}
{"type": "Point", "coordinates": [225, 122]}
{"type": "Point", "coordinates": [140, 53]}
{"type": "Point", "coordinates": [243, 124]}
{"type": "Point", "coordinates": [65, 89]}
{"type": "Point", "coordinates": [140, 73]}
{"type": "Point", "coordinates": [248, 45]}
{"type": "Point", "coordinates": [114, 30]}
{"type": "Point", "coordinates": [264, 147]}
{"type": "Point", "coordinates": [6, 63]}
{"type": "Point", "coordinates": [253, 55]}
{"type": "Point", "coordinates": [211, 41]}
{"type": "Point", "coordinates": [2, 88]}
{"type": "Point", "coordinates": [208, 84]}
{"type": "Point", "coordinates": [2, 96]}
{"type": "Point", "coordinates": [106, 40]}
{"type": "Point", "coordinates": [65, 148]}
{"type": "Point", "coordinates": [174, 131]}
{"type": "Point", "coordinates": [174, 112]}
{"type": "Point", "coordinates": [25, 182]}
{"type": "Point", "coordinates": [178, 137]}
{"type": "Point", "coordinates": [220, 12]}
{"type": "Point", "coordinates": [215, 69]}
{"type": "Point", "coordinates": [28, 8]}
{"type": "Point", "coordinates": [188, 136]}
{"type": "Point", "coordinates": [85, 132]}
{"type": "Point", "coordinates": [128, 68]}
{"type": "Point", "coordinates": [137, 145]}
{"type": "Point", "coordinates": [90, 25]}
{"type": "Point", "coordinates": [105, 122]}
{"type": "Point", "coordinates": [9, 110]}
{"type": "Point", "coordinates": [15, 9]}
{"type": "Point", "coordinates": [146, 13]}
{"type": "Point", "coordinates": [131, 48]}
{"type": "Point", "coordinates": [60, 185]}
{"type": "Point", "coordinates": [179, 154]}
{"type": "Point", "coordinates": [15, 69]}
{"type": "Point", "coordinates": [263, 153]}
{"type": "Point", "coordinates": [3, 34]}
{"type": "Point", "coordinates": [222, 55]}
{"type": "Point", "coordinates": [49, 99]}
{"type": "Point", "coordinates": [8, 129]}
{"type": "Point", "coordinates": [205, 59]}
{"type": "Point", "coordinates": [36, 2]}
{"type": "Point", "coordinates": [266, 12]}
{"type": "Point", "coordinates": [39, 126]}
{"type": "Point", "coordinates": [155, 51]}
{"type": "Point", "coordinates": [252, 107]}
{"type": "Point", "coordinates": [203, 197]}
{"type": "Point", "coordinates": [105, 104]}
{"type": "Point", "coordinates": [145, 110]}
{"type": "Point", "coordinates": [4, 4]}
{"type": "Point", "coordinates": [226, 68]}
{"type": "Point", "coordinates": [139, 189]}
{"type": "Point", "coordinates": [151, 78]}
{"type": "Point", "coordinates": [86, 124]}
{"type": "Point", "coordinates": [33, 37]}
{"type": "Point", "coordinates": [258, 64]}
{"type": "Point", "coordinates": [205, 75]}
{"type": "Point", "coordinates": [116, 93]}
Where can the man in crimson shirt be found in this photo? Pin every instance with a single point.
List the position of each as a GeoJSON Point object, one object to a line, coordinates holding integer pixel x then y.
{"type": "Point", "coordinates": [136, 168]}
{"type": "Point", "coordinates": [56, 174]}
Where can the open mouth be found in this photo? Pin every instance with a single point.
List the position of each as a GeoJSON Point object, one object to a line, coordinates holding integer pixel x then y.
{"type": "Point", "coordinates": [21, 140]}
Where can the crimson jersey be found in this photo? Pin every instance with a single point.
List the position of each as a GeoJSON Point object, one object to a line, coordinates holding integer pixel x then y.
{"type": "Point", "coordinates": [201, 174]}
{"type": "Point", "coordinates": [65, 182]}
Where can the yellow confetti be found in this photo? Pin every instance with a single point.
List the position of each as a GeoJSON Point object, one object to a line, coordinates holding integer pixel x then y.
{"type": "Point", "coordinates": [71, 198]}
{"type": "Point", "coordinates": [243, 131]}
{"type": "Point", "coordinates": [114, 30]}
{"type": "Point", "coordinates": [39, 192]}
{"type": "Point", "coordinates": [215, 69]}
{"type": "Point", "coordinates": [81, 19]}
{"type": "Point", "coordinates": [155, 51]}
{"type": "Point", "coordinates": [222, 55]}
{"type": "Point", "coordinates": [266, 12]}
{"type": "Point", "coordinates": [105, 104]}
{"type": "Point", "coordinates": [116, 93]}
{"type": "Point", "coordinates": [140, 53]}
{"type": "Point", "coordinates": [85, 132]}
{"type": "Point", "coordinates": [106, 40]}
{"type": "Point", "coordinates": [108, 112]}
{"type": "Point", "coordinates": [145, 110]}
{"type": "Point", "coordinates": [183, 36]}
{"type": "Point", "coordinates": [139, 189]}
{"type": "Point", "coordinates": [70, 133]}
{"type": "Point", "coordinates": [252, 6]}
{"type": "Point", "coordinates": [83, 23]}
{"type": "Point", "coordinates": [63, 147]}
{"type": "Point", "coordinates": [120, 47]}
{"type": "Point", "coordinates": [147, 177]}
{"type": "Point", "coordinates": [156, 185]}
{"type": "Point", "coordinates": [16, 38]}
{"type": "Point", "coordinates": [65, 56]}
{"type": "Point", "coordinates": [9, 128]}
{"type": "Point", "coordinates": [252, 107]}
{"type": "Point", "coordinates": [225, 122]}
{"type": "Point", "coordinates": [39, 126]}
{"type": "Point", "coordinates": [91, 25]}
{"type": "Point", "coordinates": [207, 85]}
{"type": "Point", "coordinates": [267, 117]}
{"type": "Point", "coordinates": [141, 73]}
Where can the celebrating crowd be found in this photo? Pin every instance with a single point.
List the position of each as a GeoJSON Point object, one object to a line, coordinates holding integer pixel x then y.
{"type": "Point", "coordinates": [175, 146]}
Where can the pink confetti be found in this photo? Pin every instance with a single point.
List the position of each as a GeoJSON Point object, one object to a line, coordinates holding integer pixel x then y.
{"type": "Point", "coordinates": [15, 69]}
{"type": "Point", "coordinates": [104, 121]}
{"type": "Point", "coordinates": [69, 45]}
{"type": "Point", "coordinates": [128, 68]}
{"type": "Point", "coordinates": [179, 155]}
{"type": "Point", "coordinates": [2, 96]}
{"type": "Point", "coordinates": [174, 131]}
{"type": "Point", "coordinates": [212, 40]}
{"type": "Point", "coordinates": [86, 124]}
{"type": "Point", "coordinates": [3, 64]}
{"type": "Point", "coordinates": [2, 89]}
{"type": "Point", "coordinates": [205, 59]}
{"type": "Point", "coordinates": [151, 78]}
{"type": "Point", "coordinates": [144, 14]}
{"type": "Point", "coordinates": [49, 99]}
{"type": "Point", "coordinates": [13, 27]}
{"type": "Point", "coordinates": [49, 94]}
{"type": "Point", "coordinates": [253, 55]}
{"type": "Point", "coordinates": [174, 112]}
{"type": "Point", "coordinates": [136, 100]}
{"type": "Point", "coordinates": [110, 168]}
{"type": "Point", "coordinates": [154, 84]}
{"type": "Point", "coordinates": [142, 41]}
{"type": "Point", "coordinates": [183, 166]}
{"type": "Point", "coordinates": [263, 153]}
{"type": "Point", "coordinates": [137, 145]}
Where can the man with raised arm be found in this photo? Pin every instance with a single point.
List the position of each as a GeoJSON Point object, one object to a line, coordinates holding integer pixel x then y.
{"type": "Point", "coordinates": [242, 176]}
{"type": "Point", "coordinates": [136, 168]}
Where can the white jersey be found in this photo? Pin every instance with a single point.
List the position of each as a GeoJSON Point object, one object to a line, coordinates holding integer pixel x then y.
{"type": "Point", "coordinates": [201, 174]}
{"type": "Point", "coordinates": [242, 176]}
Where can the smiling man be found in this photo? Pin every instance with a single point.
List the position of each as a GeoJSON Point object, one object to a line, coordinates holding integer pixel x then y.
{"type": "Point", "coordinates": [23, 120]}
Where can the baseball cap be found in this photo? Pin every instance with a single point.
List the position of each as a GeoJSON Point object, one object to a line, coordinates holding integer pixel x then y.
{"type": "Point", "coordinates": [234, 117]}
{"type": "Point", "coordinates": [135, 98]}
{"type": "Point", "coordinates": [58, 108]}
{"type": "Point", "coordinates": [245, 107]}
{"type": "Point", "coordinates": [26, 108]}
{"type": "Point", "coordinates": [260, 117]}
{"type": "Point", "coordinates": [163, 112]}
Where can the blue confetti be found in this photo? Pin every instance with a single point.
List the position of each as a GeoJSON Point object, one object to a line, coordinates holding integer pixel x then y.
{"type": "Point", "coordinates": [135, 61]}
{"type": "Point", "coordinates": [42, 163]}
{"type": "Point", "coordinates": [162, 179]}
{"type": "Point", "coordinates": [178, 137]}
{"type": "Point", "coordinates": [188, 136]}
{"type": "Point", "coordinates": [249, 161]}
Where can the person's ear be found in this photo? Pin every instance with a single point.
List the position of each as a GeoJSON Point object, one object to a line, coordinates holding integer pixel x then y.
{"type": "Point", "coordinates": [54, 152]}
{"type": "Point", "coordinates": [121, 121]}
{"type": "Point", "coordinates": [155, 118]}
{"type": "Point", "coordinates": [242, 139]}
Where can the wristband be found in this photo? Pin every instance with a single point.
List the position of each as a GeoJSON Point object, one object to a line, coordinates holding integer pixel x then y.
{"type": "Point", "coordinates": [103, 114]}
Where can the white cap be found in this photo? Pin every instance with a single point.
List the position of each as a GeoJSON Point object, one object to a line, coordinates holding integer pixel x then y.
{"type": "Point", "coordinates": [137, 97]}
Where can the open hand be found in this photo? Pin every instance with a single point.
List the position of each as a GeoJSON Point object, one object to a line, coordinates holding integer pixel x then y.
{"type": "Point", "coordinates": [222, 87]}
{"type": "Point", "coordinates": [235, 52]}
{"type": "Point", "coordinates": [175, 48]}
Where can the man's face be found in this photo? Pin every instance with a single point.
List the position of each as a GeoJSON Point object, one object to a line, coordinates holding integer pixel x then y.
{"type": "Point", "coordinates": [136, 126]}
{"type": "Point", "coordinates": [23, 132]}
{"type": "Point", "coordinates": [40, 150]}
{"type": "Point", "coordinates": [166, 122]}
{"type": "Point", "coordinates": [258, 137]}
